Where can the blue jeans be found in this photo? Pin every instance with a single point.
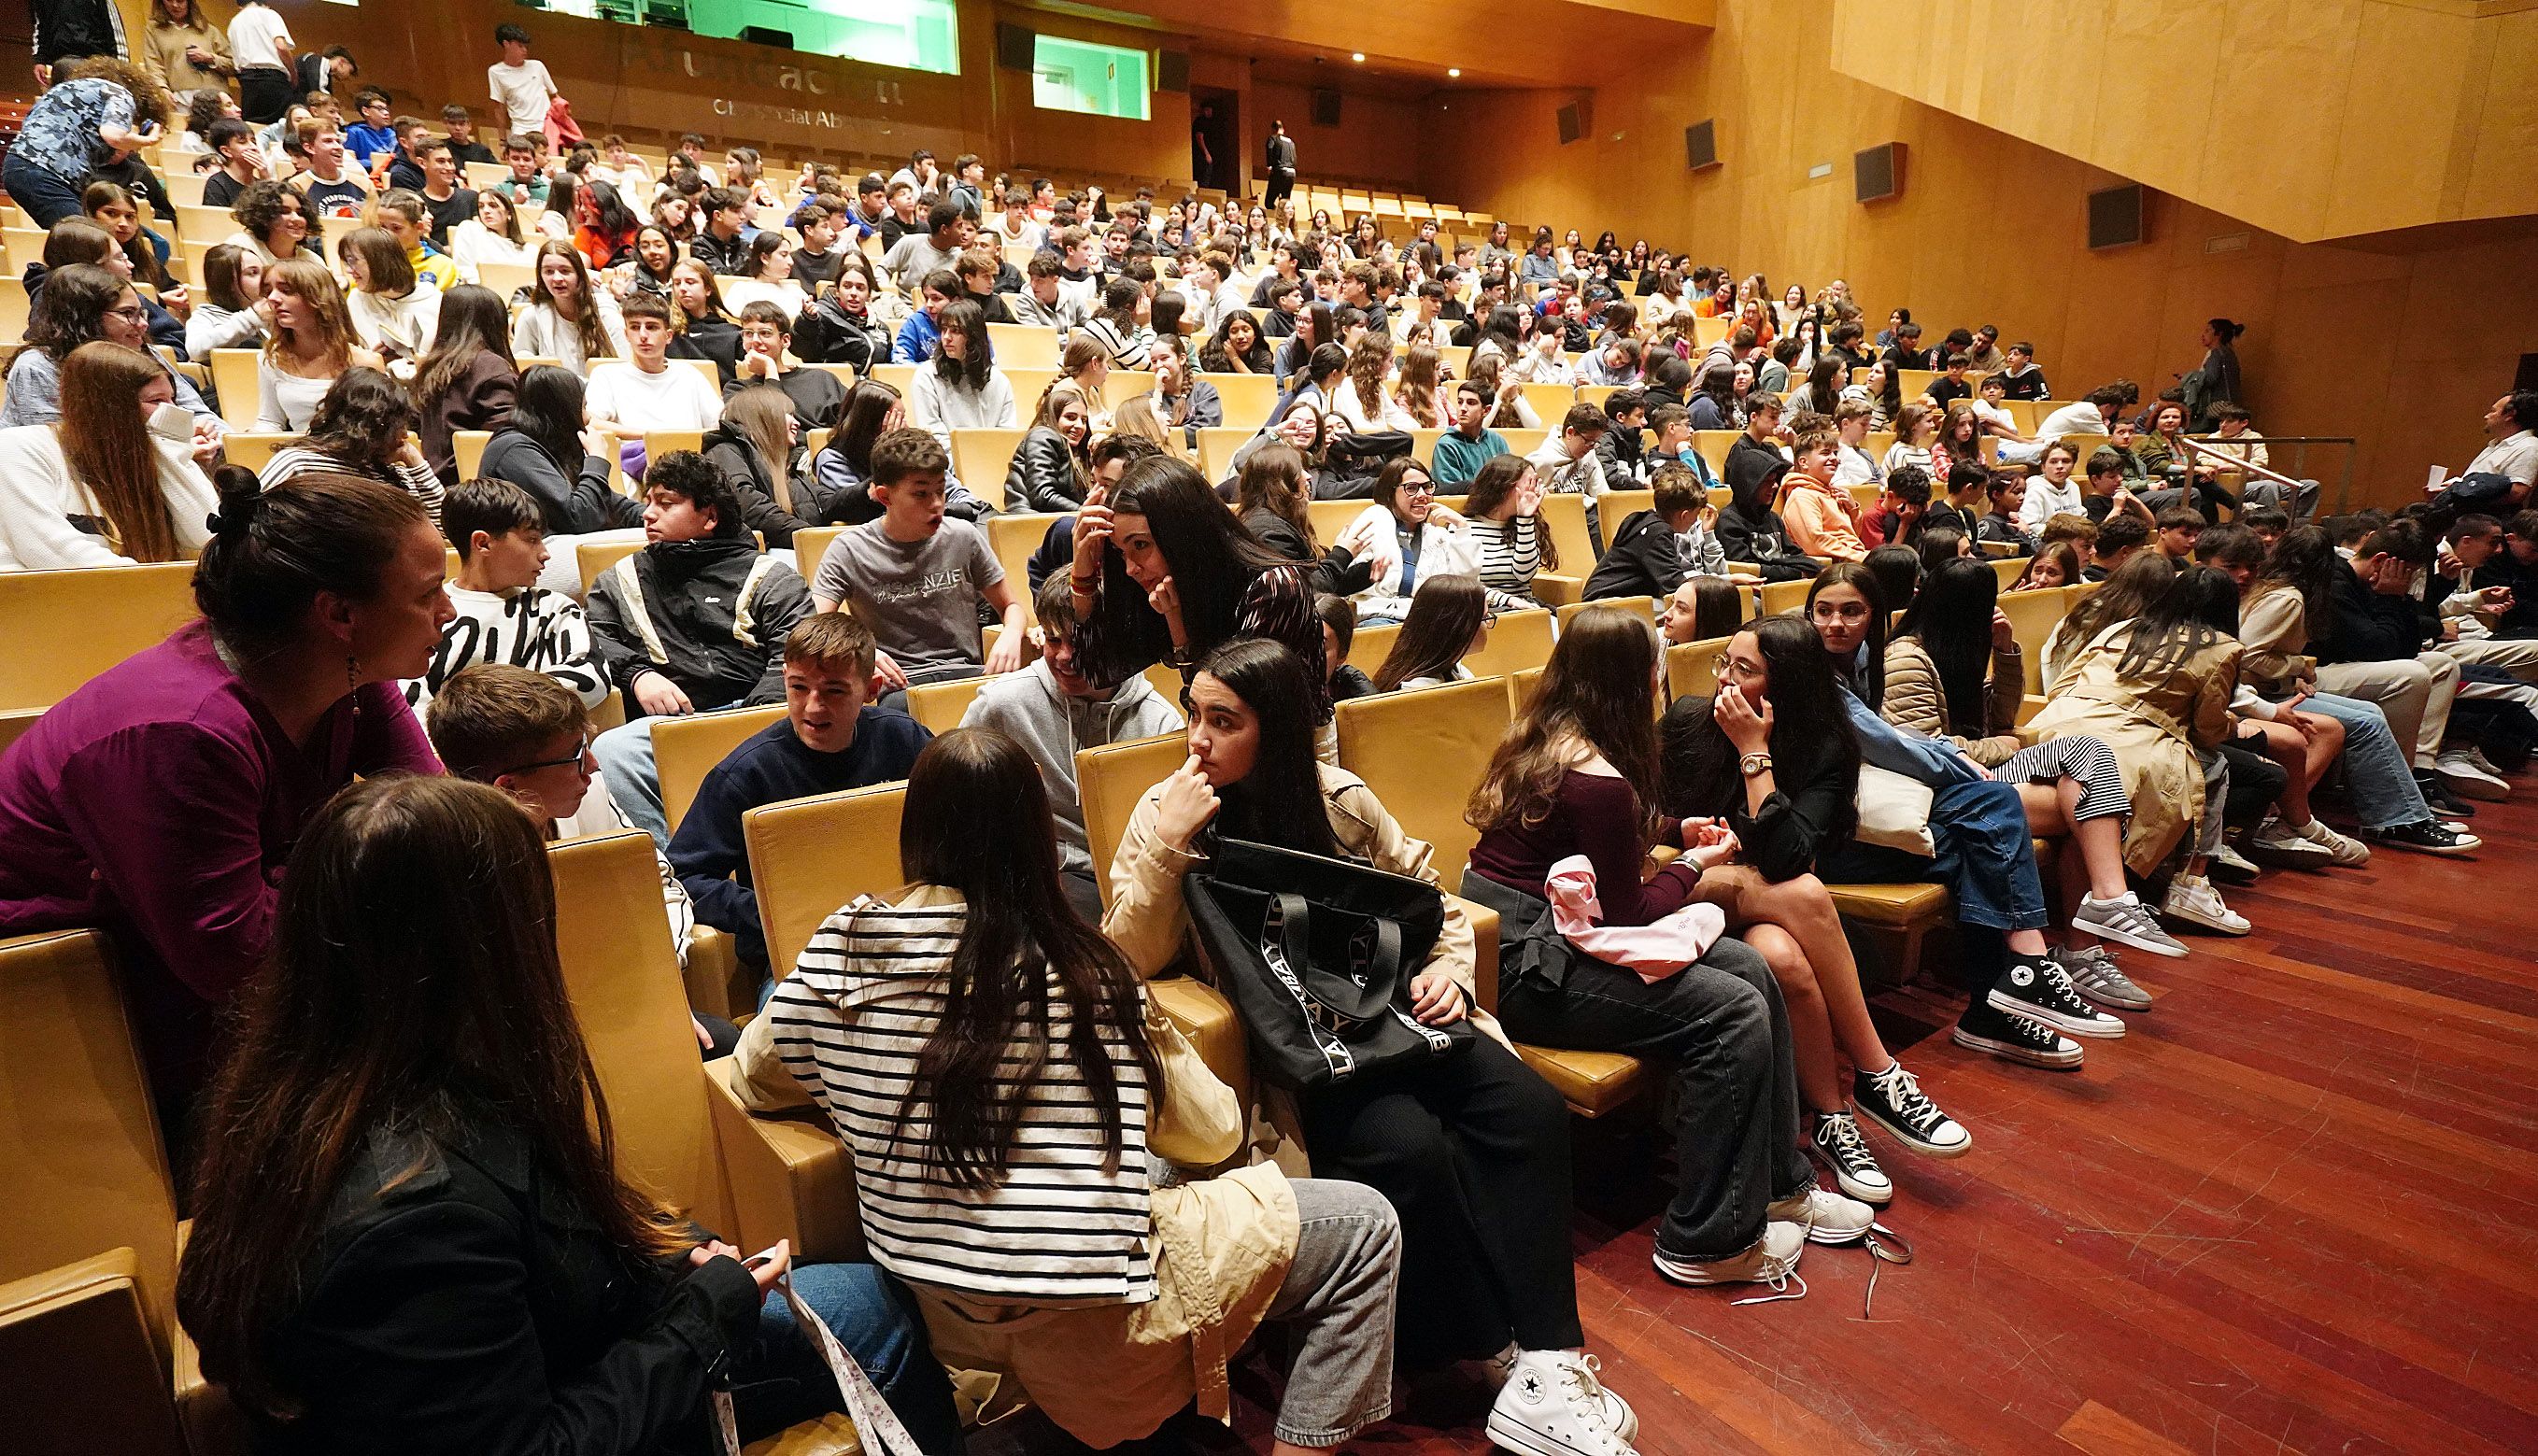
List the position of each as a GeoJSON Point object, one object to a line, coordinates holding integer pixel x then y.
{"type": "Point", "coordinates": [634, 779]}
{"type": "Point", "coordinates": [44, 196]}
{"type": "Point", "coordinates": [2378, 777]}
{"type": "Point", "coordinates": [1987, 860]}
{"type": "Point", "coordinates": [782, 1379]}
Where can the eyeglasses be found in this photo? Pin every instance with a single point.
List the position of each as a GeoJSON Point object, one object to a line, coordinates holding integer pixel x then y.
{"type": "Point", "coordinates": [579, 757]}
{"type": "Point", "coordinates": [135, 312]}
{"type": "Point", "coordinates": [1727, 669]}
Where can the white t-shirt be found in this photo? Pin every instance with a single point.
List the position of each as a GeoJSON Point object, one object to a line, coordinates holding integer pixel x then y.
{"type": "Point", "coordinates": [677, 398]}
{"type": "Point", "coordinates": [522, 91]}
{"type": "Point", "coordinates": [252, 38]}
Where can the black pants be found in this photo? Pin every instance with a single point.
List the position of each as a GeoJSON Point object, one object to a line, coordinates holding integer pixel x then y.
{"type": "Point", "coordinates": [2255, 782]}
{"type": "Point", "coordinates": [264, 93]}
{"type": "Point", "coordinates": [1721, 1026]}
{"type": "Point", "coordinates": [1472, 1152]}
{"type": "Point", "coordinates": [1282, 185]}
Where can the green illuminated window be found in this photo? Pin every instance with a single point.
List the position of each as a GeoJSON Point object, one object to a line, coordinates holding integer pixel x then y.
{"type": "Point", "coordinates": [915, 34]}
{"type": "Point", "coordinates": [1080, 75]}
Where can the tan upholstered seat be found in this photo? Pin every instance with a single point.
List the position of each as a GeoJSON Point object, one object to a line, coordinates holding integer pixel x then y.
{"type": "Point", "coordinates": [1594, 1084]}
{"type": "Point", "coordinates": [1520, 641]}
{"type": "Point", "coordinates": [686, 749]}
{"type": "Point", "coordinates": [67, 627]}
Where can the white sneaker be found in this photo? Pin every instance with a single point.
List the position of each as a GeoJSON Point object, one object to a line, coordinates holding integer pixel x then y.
{"type": "Point", "coordinates": [1553, 1406]}
{"type": "Point", "coordinates": [2460, 772]}
{"type": "Point", "coordinates": [2192, 899]}
{"type": "Point", "coordinates": [1827, 1215]}
{"type": "Point", "coordinates": [2280, 843]}
{"type": "Point", "coordinates": [2343, 849]}
{"type": "Point", "coordinates": [1618, 1415]}
{"type": "Point", "coordinates": [1773, 1260]}
{"type": "Point", "coordinates": [2243, 870]}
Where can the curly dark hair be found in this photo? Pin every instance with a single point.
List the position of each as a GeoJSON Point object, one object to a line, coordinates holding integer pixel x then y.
{"type": "Point", "coordinates": [151, 103]}
{"type": "Point", "coordinates": [361, 420]}
{"type": "Point", "coordinates": [265, 203]}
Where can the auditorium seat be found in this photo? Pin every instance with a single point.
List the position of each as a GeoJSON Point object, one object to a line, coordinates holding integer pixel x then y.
{"type": "Point", "coordinates": [1520, 640]}
{"type": "Point", "coordinates": [659, 443]}
{"type": "Point", "coordinates": [1690, 670]}
{"type": "Point", "coordinates": [980, 458]}
{"type": "Point", "coordinates": [1012, 537]}
{"type": "Point", "coordinates": [1022, 345]}
{"type": "Point", "coordinates": [1216, 447]}
{"type": "Point", "coordinates": [1643, 606]}
{"type": "Point", "coordinates": [468, 447]}
{"type": "Point", "coordinates": [940, 705]}
{"type": "Point", "coordinates": [67, 627]}
{"type": "Point", "coordinates": [1110, 780]}
{"type": "Point", "coordinates": [1564, 515]}
{"type": "Point", "coordinates": [1713, 446]}
{"type": "Point", "coordinates": [1550, 402]}
{"type": "Point", "coordinates": [234, 376]}
{"type": "Point", "coordinates": [1424, 751]}
{"type": "Point", "coordinates": [1331, 517]}
{"type": "Point", "coordinates": [2032, 617]}
{"type": "Point", "coordinates": [1370, 645]}
{"type": "Point", "coordinates": [252, 451]}
{"type": "Point", "coordinates": [1784, 596]}
{"type": "Point", "coordinates": [688, 746]}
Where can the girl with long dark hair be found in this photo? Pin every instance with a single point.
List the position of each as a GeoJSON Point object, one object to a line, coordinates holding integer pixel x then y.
{"type": "Point", "coordinates": [548, 449]}
{"type": "Point", "coordinates": [1449, 620]}
{"type": "Point", "coordinates": [1270, 493]}
{"type": "Point", "coordinates": [468, 380]}
{"type": "Point", "coordinates": [409, 1226]}
{"type": "Point", "coordinates": [1503, 515]}
{"type": "Point", "coordinates": [1053, 466]}
{"type": "Point", "coordinates": [996, 1070]}
{"type": "Point", "coordinates": [569, 321]}
{"type": "Point", "coordinates": [706, 330]}
{"type": "Point", "coordinates": [1471, 1149]}
{"type": "Point", "coordinates": [363, 427]}
{"type": "Point", "coordinates": [1165, 573]}
{"type": "Point", "coordinates": [962, 388]}
{"type": "Point", "coordinates": [1578, 774]}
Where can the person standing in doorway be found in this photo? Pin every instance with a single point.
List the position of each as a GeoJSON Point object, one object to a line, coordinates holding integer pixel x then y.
{"type": "Point", "coordinates": [1282, 166]}
{"type": "Point", "coordinates": [1202, 156]}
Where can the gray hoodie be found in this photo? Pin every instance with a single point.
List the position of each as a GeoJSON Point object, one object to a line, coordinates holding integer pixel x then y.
{"type": "Point", "coordinates": [1027, 706]}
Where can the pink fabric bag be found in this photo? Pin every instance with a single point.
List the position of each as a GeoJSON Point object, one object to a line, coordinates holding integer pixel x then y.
{"type": "Point", "coordinates": [1657, 949]}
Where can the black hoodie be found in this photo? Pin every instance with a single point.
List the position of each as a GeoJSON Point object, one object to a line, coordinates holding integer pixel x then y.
{"type": "Point", "coordinates": [1749, 530]}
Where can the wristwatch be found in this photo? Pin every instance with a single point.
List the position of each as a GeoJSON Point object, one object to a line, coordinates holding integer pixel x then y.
{"type": "Point", "coordinates": [1754, 763]}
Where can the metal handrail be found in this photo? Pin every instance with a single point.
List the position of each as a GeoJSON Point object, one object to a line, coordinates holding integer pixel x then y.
{"type": "Point", "coordinates": [2343, 488]}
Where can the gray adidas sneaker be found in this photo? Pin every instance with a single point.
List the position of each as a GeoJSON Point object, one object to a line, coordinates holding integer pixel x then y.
{"type": "Point", "coordinates": [2094, 974]}
{"type": "Point", "coordinates": [2128, 922]}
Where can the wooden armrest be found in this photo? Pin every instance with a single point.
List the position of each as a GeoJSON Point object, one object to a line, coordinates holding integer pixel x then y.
{"type": "Point", "coordinates": [82, 1360]}
{"type": "Point", "coordinates": [790, 1177]}
{"type": "Point", "coordinates": [1212, 1025]}
{"type": "Point", "coordinates": [2028, 708]}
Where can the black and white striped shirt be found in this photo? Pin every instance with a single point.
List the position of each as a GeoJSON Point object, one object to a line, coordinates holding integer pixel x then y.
{"type": "Point", "coordinates": [1510, 554]}
{"type": "Point", "coordinates": [1059, 1227]}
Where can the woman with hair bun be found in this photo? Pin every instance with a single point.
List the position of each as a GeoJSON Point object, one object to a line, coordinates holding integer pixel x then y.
{"type": "Point", "coordinates": [160, 801]}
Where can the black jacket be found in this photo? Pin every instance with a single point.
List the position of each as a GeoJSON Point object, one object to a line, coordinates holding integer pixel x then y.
{"type": "Point", "coordinates": [2369, 627]}
{"type": "Point", "coordinates": [1780, 840]}
{"type": "Point", "coordinates": [732, 453]}
{"type": "Point", "coordinates": [716, 254]}
{"type": "Point", "coordinates": [1334, 571]}
{"type": "Point", "coordinates": [72, 29]}
{"type": "Point", "coordinates": [1748, 529]}
{"type": "Point", "coordinates": [574, 505]}
{"type": "Point", "coordinates": [1646, 560]}
{"type": "Point", "coordinates": [826, 333]}
{"type": "Point", "coordinates": [710, 615]}
{"type": "Point", "coordinates": [457, 1299]}
{"type": "Point", "coordinates": [1624, 457]}
{"type": "Point", "coordinates": [816, 395]}
{"type": "Point", "coordinates": [715, 339]}
{"type": "Point", "coordinates": [1042, 476]}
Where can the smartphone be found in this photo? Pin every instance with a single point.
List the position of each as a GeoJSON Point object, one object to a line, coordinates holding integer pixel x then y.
{"type": "Point", "coordinates": [764, 1256]}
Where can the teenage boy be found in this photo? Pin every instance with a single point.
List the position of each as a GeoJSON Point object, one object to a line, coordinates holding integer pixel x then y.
{"type": "Point", "coordinates": [525, 184]}
{"type": "Point", "coordinates": [918, 578]}
{"type": "Point", "coordinates": [521, 88]}
{"type": "Point", "coordinates": [2050, 493]}
{"type": "Point", "coordinates": [2095, 415]}
{"type": "Point", "coordinates": [2378, 649]}
{"type": "Point", "coordinates": [375, 133]}
{"type": "Point", "coordinates": [645, 391]}
{"type": "Point", "coordinates": [1647, 558]}
{"type": "Point", "coordinates": [2116, 540]}
{"type": "Point", "coordinates": [1672, 424]}
{"type": "Point", "coordinates": [1952, 386]}
{"type": "Point", "coordinates": [922, 334]}
{"type": "Point", "coordinates": [1857, 467]}
{"type": "Point", "coordinates": [831, 737]}
{"type": "Point", "coordinates": [406, 217]}
{"type": "Point", "coordinates": [460, 129]}
{"type": "Point", "coordinates": [334, 188]}
{"type": "Point", "coordinates": [1462, 450]}
{"type": "Point", "coordinates": [2176, 527]}
{"type": "Point", "coordinates": [504, 615]}
{"type": "Point", "coordinates": [765, 331]}
{"type": "Point", "coordinates": [396, 167]}
{"type": "Point", "coordinates": [2107, 494]}
{"type": "Point", "coordinates": [721, 242]}
{"type": "Point", "coordinates": [693, 622]}
{"type": "Point", "coordinates": [818, 260]}
{"type": "Point", "coordinates": [1823, 520]}
{"type": "Point", "coordinates": [1043, 299]}
{"type": "Point", "coordinates": [1962, 509]}
{"type": "Point", "coordinates": [242, 161]}
{"type": "Point", "coordinates": [1618, 453]}
{"type": "Point", "coordinates": [948, 231]}
{"type": "Point", "coordinates": [976, 268]}
{"type": "Point", "coordinates": [527, 735]}
{"type": "Point", "coordinates": [1762, 429]}
{"type": "Point", "coordinates": [1569, 464]}
{"type": "Point", "coordinates": [2022, 379]}
{"type": "Point", "coordinates": [1015, 225]}
{"type": "Point", "coordinates": [2269, 522]}
{"type": "Point", "coordinates": [1896, 515]}
{"type": "Point", "coordinates": [448, 203]}
{"type": "Point", "coordinates": [1054, 712]}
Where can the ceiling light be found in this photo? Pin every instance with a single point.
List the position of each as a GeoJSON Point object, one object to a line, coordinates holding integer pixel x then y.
{"type": "Point", "coordinates": [1454, 72]}
{"type": "Point", "coordinates": [1358, 56]}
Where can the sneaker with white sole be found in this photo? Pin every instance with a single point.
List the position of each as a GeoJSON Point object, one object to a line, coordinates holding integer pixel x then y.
{"type": "Point", "coordinates": [2277, 843]}
{"type": "Point", "coordinates": [2127, 921]}
{"type": "Point", "coordinates": [1827, 1215]}
{"type": "Point", "coordinates": [1618, 1413]}
{"type": "Point", "coordinates": [1553, 1405]}
{"type": "Point", "coordinates": [2016, 1039]}
{"type": "Point", "coordinates": [2192, 899]}
{"type": "Point", "coordinates": [1773, 1260]}
{"type": "Point", "coordinates": [2039, 991]}
{"type": "Point", "coordinates": [1839, 1144]}
{"type": "Point", "coordinates": [1894, 1101]}
{"type": "Point", "coordinates": [2426, 836]}
{"type": "Point", "coordinates": [2342, 850]}
{"type": "Point", "coordinates": [2228, 864]}
{"type": "Point", "coordinates": [2461, 775]}
{"type": "Point", "coordinates": [2483, 763]}
{"type": "Point", "coordinates": [2094, 974]}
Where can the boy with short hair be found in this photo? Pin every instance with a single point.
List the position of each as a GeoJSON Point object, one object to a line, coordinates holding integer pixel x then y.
{"type": "Point", "coordinates": [2178, 526]}
{"type": "Point", "coordinates": [766, 333]}
{"type": "Point", "coordinates": [1897, 516]}
{"type": "Point", "coordinates": [1647, 558]}
{"type": "Point", "coordinates": [693, 622]}
{"type": "Point", "coordinates": [460, 129]}
{"type": "Point", "coordinates": [1823, 520]}
{"type": "Point", "coordinates": [645, 391]}
{"type": "Point", "coordinates": [375, 132]}
{"type": "Point", "coordinates": [521, 88]}
{"type": "Point", "coordinates": [1569, 463]}
{"type": "Point", "coordinates": [2106, 494]}
{"type": "Point", "coordinates": [916, 576]}
{"type": "Point", "coordinates": [817, 260]}
{"type": "Point", "coordinates": [1462, 450]}
{"type": "Point", "coordinates": [922, 334]}
{"type": "Point", "coordinates": [526, 183]}
{"type": "Point", "coordinates": [831, 737]}
{"type": "Point", "coordinates": [1618, 453]}
{"type": "Point", "coordinates": [1672, 424]}
{"type": "Point", "coordinates": [1969, 481]}
{"type": "Point", "coordinates": [1953, 386]}
{"type": "Point", "coordinates": [2118, 537]}
{"type": "Point", "coordinates": [1857, 467]}
{"type": "Point", "coordinates": [1054, 712]}
{"type": "Point", "coordinates": [504, 615]}
{"type": "Point", "coordinates": [2022, 379]}
{"type": "Point", "coordinates": [2269, 522]}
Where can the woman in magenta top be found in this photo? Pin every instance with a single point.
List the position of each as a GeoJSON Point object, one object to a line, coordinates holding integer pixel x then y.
{"type": "Point", "coordinates": [1577, 776]}
{"type": "Point", "coordinates": [160, 801]}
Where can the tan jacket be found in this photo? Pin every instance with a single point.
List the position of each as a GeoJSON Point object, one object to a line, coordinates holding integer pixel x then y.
{"type": "Point", "coordinates": [163, 51]}
{"type": "Point", "coordinates": [1150, 923]}
{"type": "Point", "coordinates": [1914, 700]}
{"type": "Point", "coordinates": [1222, 1246]}
{"type": "Point", "coordinates": [2158, 729]}
{"type": "Point", "coordinates": [2273, 627]}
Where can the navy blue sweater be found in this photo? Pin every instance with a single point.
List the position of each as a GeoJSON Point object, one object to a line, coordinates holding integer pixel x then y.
{"type": "Point", "coordinates": [769, 767]}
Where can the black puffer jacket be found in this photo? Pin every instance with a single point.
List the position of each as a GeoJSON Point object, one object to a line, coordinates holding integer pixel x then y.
{"type": "Point", "coordinates": [710, 615]}
{"type": "Point", "coordinates": [729, 451]}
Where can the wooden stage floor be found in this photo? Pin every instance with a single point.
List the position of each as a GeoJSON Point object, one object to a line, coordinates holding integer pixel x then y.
{"type": "Point", "coordinates": [2295, 1209]}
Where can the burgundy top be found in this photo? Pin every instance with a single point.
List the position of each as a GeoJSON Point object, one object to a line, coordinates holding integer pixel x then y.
{"type": "Point", "coordinates": [158, 803]}
{"type": "Point", "coordinates": [1595, 814]}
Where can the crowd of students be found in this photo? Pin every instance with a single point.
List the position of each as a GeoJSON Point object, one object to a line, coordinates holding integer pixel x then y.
{"type": "Point", "coordinates": [313, 821]}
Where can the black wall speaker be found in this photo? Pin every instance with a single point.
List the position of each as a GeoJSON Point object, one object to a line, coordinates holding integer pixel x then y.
{"type": "Point", "coordinates": [1326, 108]}
{"type": "Point", "coordinates": [1016, 47]}
{"type": "Point", "coordinates": [2115, 217]}
{"type": "Point", "coordinates": [767, 36]}
{"type": "Point", "coordinates": [1572, 122]}
{"type": "Point", "coordinates": [1172, 70]}
{"type": "Point", "coordinates": [1878, 172]}
{"type": "Point", "coordinates": [1700, 145]}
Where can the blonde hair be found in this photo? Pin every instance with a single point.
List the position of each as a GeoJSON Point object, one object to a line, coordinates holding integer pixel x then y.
{"type": "Point", "coordinates": [330, 325]}
{"type": "Point", "coordinates": [1137, 417]}
{"type": "Point", "coordinates": [109, 450]}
